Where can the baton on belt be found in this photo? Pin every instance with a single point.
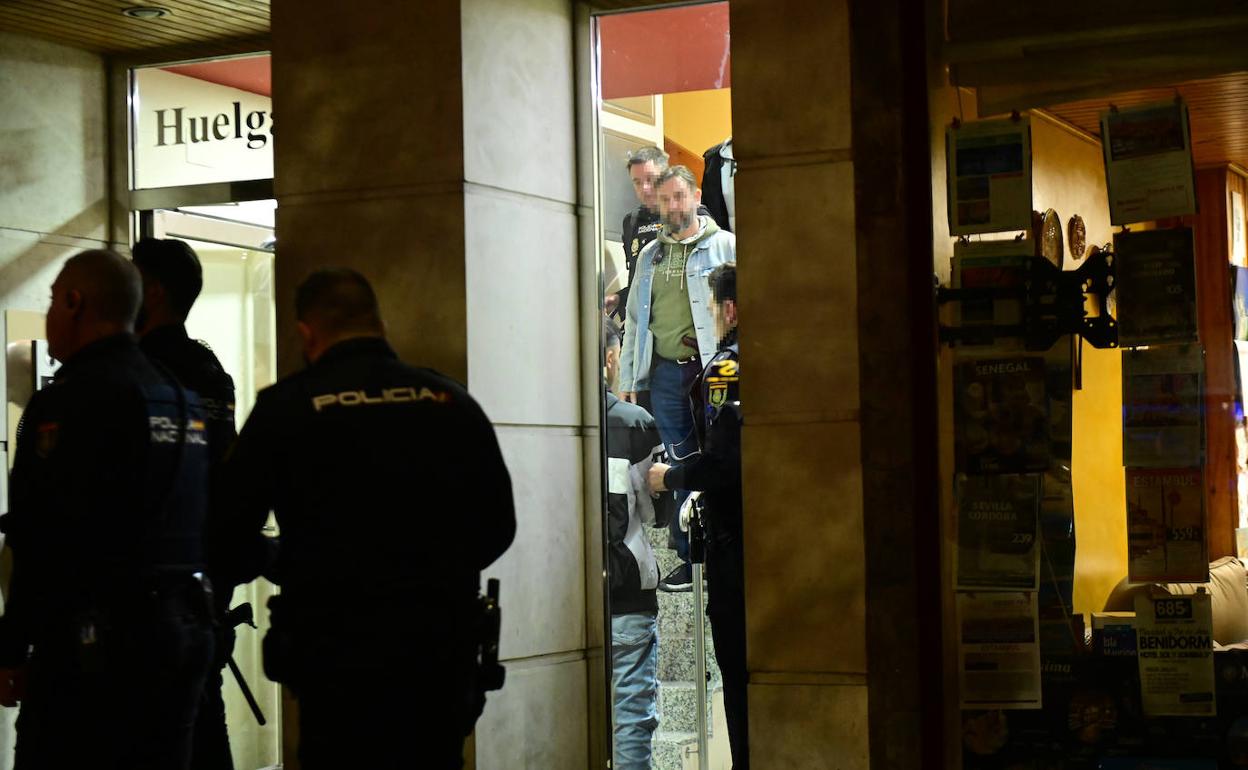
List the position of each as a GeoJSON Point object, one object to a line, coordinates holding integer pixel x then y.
{"type": "Point", "coordinates": [234, 618]}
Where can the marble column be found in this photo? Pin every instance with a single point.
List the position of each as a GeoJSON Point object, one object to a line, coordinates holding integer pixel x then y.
{"type": "Point", "coordinates": [431, 146]}
{"type": "Point", "coordinates": [832, 358]}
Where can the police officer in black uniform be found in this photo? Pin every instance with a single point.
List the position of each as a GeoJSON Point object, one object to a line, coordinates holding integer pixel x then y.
{"type": "Point", "coordinates": [107, 639]}
{"type": "Point", "coordinates": [172, 281]}
{"type": "Point", "coordinates": [716, 471]}
{"type": "Point", "coordinates": [391, 496]}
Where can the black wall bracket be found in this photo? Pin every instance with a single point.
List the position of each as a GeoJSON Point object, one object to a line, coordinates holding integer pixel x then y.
{"type": "Point", "coordinates": [1055, 303]}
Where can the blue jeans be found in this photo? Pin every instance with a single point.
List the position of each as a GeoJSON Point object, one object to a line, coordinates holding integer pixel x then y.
{"type": "Point", "coordinates": [669, 395]}
{"type": "Point", "coordinates": [634, 687]}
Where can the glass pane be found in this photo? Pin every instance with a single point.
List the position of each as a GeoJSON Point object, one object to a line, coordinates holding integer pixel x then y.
{"type": "Point", "coordinates": [660, 109]}
{"type": "Point", "coordinates": [202, 122]}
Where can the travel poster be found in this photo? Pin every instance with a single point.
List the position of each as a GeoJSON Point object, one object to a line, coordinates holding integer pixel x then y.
{"type": "Point", "coordinates": [997, 528]}
{"type": "Point", "coordinates": [1166, 526]}
{"type": "Point", "coordinates": [998, 266]}
{"type": "Point", "coordinates": [1155, 287]}
{"type": "Point", "coordinates": [1162, 397]}
{"type": "Point", "coordinates": [989, 176]}
{"type": "Point", "coordinates": [1174, 640]}
{"type": "Point", "coordinates": [998, 650]}
{"type": "Point", "coordinates": [1148, 162]}
{"type": "Point", "coordinates": [1001, 416]}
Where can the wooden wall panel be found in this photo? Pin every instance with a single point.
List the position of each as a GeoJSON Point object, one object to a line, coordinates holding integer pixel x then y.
{"type": "Point", "coordinates": [1218, 107]}
{"type": "Point", "coordinates": [1217, 333]}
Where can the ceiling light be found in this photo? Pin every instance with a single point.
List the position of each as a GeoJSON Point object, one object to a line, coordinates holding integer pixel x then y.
{"type": "Point", "coordinates": [145, 12]}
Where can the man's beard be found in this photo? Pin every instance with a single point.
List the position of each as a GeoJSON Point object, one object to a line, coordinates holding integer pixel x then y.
{"type": "Point", "coordinates": [677, 221]}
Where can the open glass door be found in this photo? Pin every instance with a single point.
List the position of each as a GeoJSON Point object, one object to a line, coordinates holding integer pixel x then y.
{"type": "Point", "coordinates": [200, 168]}
{"type": "Point", "coordinates": [662, 101]}
{"type": "Point", "coordinates": [234, 316]}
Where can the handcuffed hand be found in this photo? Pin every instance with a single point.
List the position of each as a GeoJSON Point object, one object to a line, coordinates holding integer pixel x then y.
{"type": "Point", "coordinates": [655, 477]}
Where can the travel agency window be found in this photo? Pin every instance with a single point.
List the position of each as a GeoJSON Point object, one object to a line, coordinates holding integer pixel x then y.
{"type": "Point", "coordinates": [1093, 281]}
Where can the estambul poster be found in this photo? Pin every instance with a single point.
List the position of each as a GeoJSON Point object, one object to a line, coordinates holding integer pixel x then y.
{"type": "Point", "coordinates": [1166, 526]}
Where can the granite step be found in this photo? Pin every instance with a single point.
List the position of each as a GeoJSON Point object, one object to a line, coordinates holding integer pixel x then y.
{"type": "Point", "coordinates": [678, 708]}
{"type": "Point", "coordinates": [677, 618]}
{"type": "Point", "coordinates": [674, 750]}
{"type": "Point", "coordinates": [676, 661]}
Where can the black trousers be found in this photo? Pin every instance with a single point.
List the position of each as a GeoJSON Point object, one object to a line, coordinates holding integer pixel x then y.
{"type": "Point", "coordinates": [210, 747]}
{"type": "Point", "coordinates": [210, 742]}
{"type": "Point", "coordinates": [725, 578]}
{"type": "Point", "coordinates": [413, 713]}
{"type": "Point", "coordinates": [129, 706]}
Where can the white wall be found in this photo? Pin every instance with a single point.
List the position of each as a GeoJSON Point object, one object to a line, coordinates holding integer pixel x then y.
{"type": "Point", "coordinates": [53, 181]}
{"type": "Point", "coordinates": [53, 164]}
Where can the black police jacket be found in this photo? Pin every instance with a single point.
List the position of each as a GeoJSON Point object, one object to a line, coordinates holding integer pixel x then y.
{"type": "Point", "coordinates": [386, 480]}
{"type": "Point", "coordinates": [199, 370]}
{"type": "Point", "coordinates": [716, 468]}
{"type": "Point", "coordinates": [107, 493]}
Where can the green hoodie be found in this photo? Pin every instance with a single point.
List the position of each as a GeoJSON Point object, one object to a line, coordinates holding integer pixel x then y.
{"type": "Point", "coordinates": [670, 315]}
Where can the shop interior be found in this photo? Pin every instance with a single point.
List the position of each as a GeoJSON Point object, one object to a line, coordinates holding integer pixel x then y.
{"type": "Point", "coordinates": [1092, 412]}
{"type": "Point", "coordinates": [664, 82]}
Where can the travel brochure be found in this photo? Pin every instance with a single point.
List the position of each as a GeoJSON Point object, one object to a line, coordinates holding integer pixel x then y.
{"type": "Point", "coordinates": [1148, 162]}
{"type": "Point", "coordinates": [1002, 416]}
{"type": "Point", "coordinates": [1155, 287]}
{"type": "Point", "coordinates": [1174, 639]}
{"type": "Point", "coordinates": [989, 176]}
{"type": "Point", "coordinates": [997, 528]}
{"type": "Point", "coordinates": [998, 266]}
{"type": "Point", "coordinates": [998, 650]}
{"type": "Point", "coordinates": [1166, 526]}
{"type": "Point", "coordinates": [1162, 397]}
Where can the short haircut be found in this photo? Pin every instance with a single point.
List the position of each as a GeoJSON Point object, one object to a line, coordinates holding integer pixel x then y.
{"type": "Point", "coordinates": [647, 155]}
{"type": "Point", "coordinates": [337, 300]}
{"type": "Point", "coordinates": [174, 265]}
{"type": "Point", "coordinates": [108, 282]}
{"type": "Point", "coordinates": [677, 172]}
{"type": "Point", "coordinates": [610, 334]}
{"type": "Point", "coordinates": [723, 281]}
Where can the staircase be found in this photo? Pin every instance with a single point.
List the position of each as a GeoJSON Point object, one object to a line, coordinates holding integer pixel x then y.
{"type": "Point", "coordinates": [676, 742]}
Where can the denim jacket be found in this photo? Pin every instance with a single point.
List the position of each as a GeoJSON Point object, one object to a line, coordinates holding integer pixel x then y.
{"type": "Point", "coordinates": [638, 350]}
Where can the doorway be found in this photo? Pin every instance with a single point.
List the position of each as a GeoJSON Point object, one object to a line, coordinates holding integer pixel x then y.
{"type": "Point", "coordinates": [663, 90]}
{"type": "Point", "coordinates": [234, 316]}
